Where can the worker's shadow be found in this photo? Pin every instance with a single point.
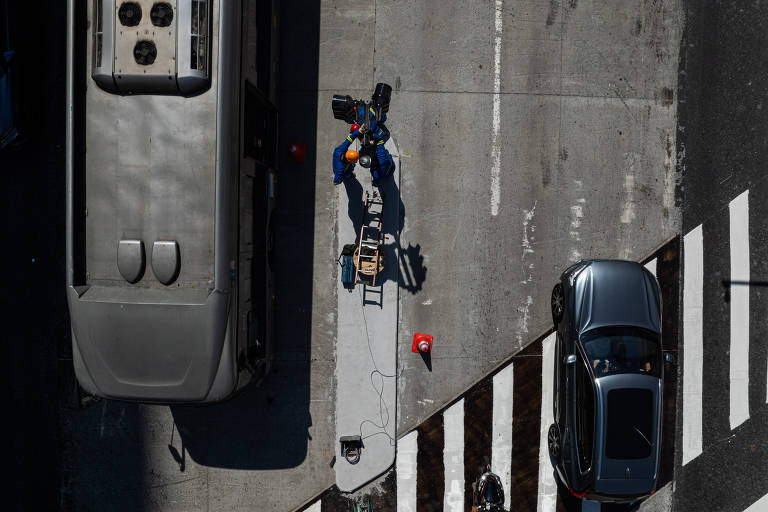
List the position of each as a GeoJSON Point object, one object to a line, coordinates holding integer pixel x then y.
{"type": "Point", "coordinates": [407, 265]}
{"type": "Point", "coordinates": [411, 272]}
{"type": "Point", "coordinates": [354, 203]}
{"type": "Point", "coordinates": [392, 225]}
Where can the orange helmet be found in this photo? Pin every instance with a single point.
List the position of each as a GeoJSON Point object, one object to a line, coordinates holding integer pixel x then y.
{"type": "Point", "coordinates": [351, 156]}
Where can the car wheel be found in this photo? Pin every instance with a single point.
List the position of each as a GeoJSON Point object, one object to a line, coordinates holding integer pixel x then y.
{"type": "Point", "coordinates": [553, 442]}
{"type": "Point", "coordinates": [557, 303]}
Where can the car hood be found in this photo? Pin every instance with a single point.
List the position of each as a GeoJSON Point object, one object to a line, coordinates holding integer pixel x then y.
{"type": "Point", "coordinates": [613, 293]}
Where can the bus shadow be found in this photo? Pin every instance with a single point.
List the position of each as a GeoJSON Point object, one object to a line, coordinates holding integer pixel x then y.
{"type": "Point", "coordinates": [267, 426]}
{"type": "Point", "coordinates": [261, 428]}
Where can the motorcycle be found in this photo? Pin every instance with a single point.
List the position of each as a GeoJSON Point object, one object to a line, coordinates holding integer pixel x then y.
{"type": "Point", "coordinates": [488, 493]}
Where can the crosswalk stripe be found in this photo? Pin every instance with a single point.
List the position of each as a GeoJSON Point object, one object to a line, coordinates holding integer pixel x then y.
{"type": "Point", "coordinates": [760, 505]}
{"type": "Point", "coordinates": [430, 479]}
{"type": "Point", "coordinates": [407, 448]}
{"type": "Point", "coordinates": [693, 350]}
{"type": "Point", "coordinates": [739, 300]}
{"type": "Point", "coordinates": [547, 499]}
{"type": "Point", "coordinates": [501, 449]}
{"type": "Point", "coordinates": [453, 457]}
{"type": "Point", "coordinates": [478, 433]}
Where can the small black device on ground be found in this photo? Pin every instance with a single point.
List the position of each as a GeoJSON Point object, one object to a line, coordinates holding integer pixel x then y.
{"type": "Point", "coordinates": [351, 446]}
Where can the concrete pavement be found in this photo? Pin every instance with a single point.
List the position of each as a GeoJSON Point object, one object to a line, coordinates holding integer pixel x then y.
{"type": "Point", "coordinates": [366, 342]}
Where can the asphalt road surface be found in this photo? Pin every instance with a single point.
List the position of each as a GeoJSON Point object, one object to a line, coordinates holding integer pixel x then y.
{"type": "Point", "coordinates": [723, 431]}
{"type": "Point", "coordinates": [531, 133]}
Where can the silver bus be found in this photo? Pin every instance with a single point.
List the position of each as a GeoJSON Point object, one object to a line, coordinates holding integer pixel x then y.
{"type": "Point", "coordinates": [171, 172]}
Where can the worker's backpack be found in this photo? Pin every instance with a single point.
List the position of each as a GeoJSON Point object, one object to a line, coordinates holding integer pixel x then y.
{"type": "Point", "coordinates": [347, 262]}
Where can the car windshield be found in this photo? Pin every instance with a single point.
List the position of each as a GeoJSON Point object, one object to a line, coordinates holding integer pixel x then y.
{"type": "Point", "coordinates": [612, 350]}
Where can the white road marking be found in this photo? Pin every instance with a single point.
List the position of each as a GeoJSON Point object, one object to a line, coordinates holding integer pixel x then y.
{"type": "Point", "coordinates": [315, 507]}
{"type": "Point", "coordinates": [527, 272]}
{"type": "Point", "coordinates": [739, 365]}
{"type": "Point", "coordinates": [651, 266]}
{"type": "Point", "coordinates": [407, 448]}
{"type": "Point", "coordinates": [453, 457]}
{"type": "Point", "coordinates": [671, 178]}
{"type": "Point", "coordinates": [495, 143]}
{"type": "Point", "coordinates": [547, 487]}
{"type": "Point", "coordinates": [629, 209]}
{"type": "Point", "coordinates": [501, 443]}
{"type": "Point", "coordinates": [577, 213]}
{"type": "Point", "coordinates": [760, 505]}
{"type": "Point", "coordinates": [693, 350]}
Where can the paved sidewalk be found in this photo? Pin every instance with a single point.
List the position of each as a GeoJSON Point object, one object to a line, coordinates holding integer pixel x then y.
{"type": "Point", "coordinates": [366, 347]}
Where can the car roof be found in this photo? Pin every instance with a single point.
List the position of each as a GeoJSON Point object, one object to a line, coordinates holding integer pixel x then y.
{"type": "Point", "coordinates": [628, 409]}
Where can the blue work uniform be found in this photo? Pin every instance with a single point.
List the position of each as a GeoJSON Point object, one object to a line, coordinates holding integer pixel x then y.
{"type": "Point", "coordinates": [341, 168]}
{"type": "Point", "coordinates": [382, 164]}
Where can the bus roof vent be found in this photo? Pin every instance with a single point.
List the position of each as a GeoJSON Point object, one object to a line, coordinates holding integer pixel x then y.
{"type": "Point", "coordinates": [145, 53]}
{"type": "Point", "coordinates": [129, 14]}
{"type": "Point", "coordinates": [151, 47]}
{"type": "Point", "coordinates": [166, 261]}
{"type": "Point", "coordinates": [131, 259]}
{"type": "Point", "coordinates": [161, 14]}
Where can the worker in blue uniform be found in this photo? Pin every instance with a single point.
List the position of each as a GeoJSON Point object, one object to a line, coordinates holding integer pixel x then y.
{"type": "Point", "coordinates": [381, 163]}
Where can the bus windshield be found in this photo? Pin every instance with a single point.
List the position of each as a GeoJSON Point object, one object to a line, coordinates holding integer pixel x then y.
{"type": "Point", "coordinates": [612, 350]}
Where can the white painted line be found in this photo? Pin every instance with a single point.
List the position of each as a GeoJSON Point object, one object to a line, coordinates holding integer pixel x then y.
{"type": "Point", "coordinates": [693, 349]}
{"type": "Point", "coordinates": [651, 266]}
{"type": "Point", "coordinates": [315, 507]}
{"type": "Point", "coordinates": [760, 505]}
{"type": "Point", "coordinates": [547, 488]}
{"type": "Point", "coordinates": [501, 442]}
{"type": "Point", "coordinates": [739, 366]}
{"type": "Point", "coordinates": [496, 143]}
{"type": "Point", "coordinates": [407, 448]}
{"type": "Point", "coordinates": [453, 457]}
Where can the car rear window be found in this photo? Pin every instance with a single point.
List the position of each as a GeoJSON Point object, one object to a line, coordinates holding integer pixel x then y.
{"type": "Point", "coordinates": [629, 432]}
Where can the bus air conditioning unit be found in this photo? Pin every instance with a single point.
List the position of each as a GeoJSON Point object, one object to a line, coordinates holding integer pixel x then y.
{"type": "Point", "coordinates": [151, 47]}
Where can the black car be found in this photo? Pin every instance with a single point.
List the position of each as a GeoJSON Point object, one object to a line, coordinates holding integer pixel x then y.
{"type": "Point", "coordinates": [608, 376]}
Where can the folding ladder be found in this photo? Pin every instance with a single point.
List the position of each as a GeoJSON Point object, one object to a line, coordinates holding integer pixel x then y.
{"type": "Point", "coordinates": [369, 259]}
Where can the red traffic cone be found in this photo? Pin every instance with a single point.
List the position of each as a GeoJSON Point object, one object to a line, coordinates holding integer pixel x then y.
{"type": "Point", "coordinates": [422, 343]}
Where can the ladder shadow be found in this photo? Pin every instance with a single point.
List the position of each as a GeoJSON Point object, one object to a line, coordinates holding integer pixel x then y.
{"type": "Point", "coordinates": [376, 291]}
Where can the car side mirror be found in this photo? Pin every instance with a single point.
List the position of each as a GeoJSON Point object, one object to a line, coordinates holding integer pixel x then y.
{"type": "Point", "coordinates": [669, 358]}
{"type": "Point", "coordinates": [570, 359]}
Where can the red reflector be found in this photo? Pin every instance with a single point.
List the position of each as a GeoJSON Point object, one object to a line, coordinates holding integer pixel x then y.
{"type": "Point", "coordinates": [578, 494]}
{"type": "Point", "coordinates": [297, 152]}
